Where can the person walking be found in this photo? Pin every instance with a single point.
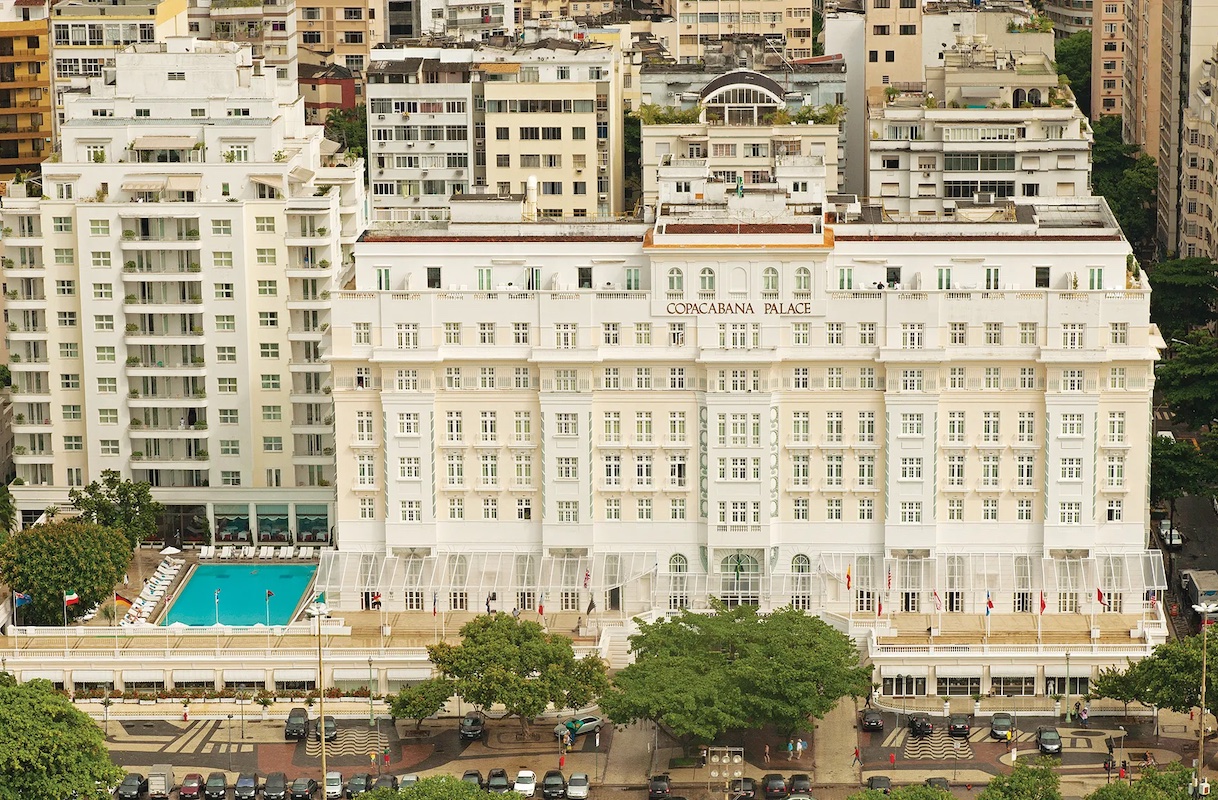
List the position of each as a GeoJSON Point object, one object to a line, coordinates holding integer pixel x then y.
{"type": "Point", "coordinates": [1008, 740]}
{"type": "Point", "coordinates": [790, 749]}
{"type": "Point", "coordinates": [1084, 716]}
{"type": "Point", "coordinates": [856, 760]}
{"type": "Point", "coordinates": [766, 756]}
{"type": "Point", "coordinates": [800, 747]}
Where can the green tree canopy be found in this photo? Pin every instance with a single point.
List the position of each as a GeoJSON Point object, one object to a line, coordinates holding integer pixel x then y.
{"type": "Point", "coordinates": [1170, 782]}
{"type": "Point", "coordinates": [1170, 677]}
{"type": "Point", "coordinates": [8, 511]}
{"type": "Point", "coordinates": [1128, 179]}
{"type": "Point", "coordinates": [1185, 294]}
{"type": "Point", "coordinates": [442, 787]}
{"type": "Point", "coordinates": [50, 749]}
{"type": "Point", "coordinates": [121, 504]}
{"type": "Point", "coordinates": [1034, 780]}
{"type": "Point", "coordinates": [516, 664]}
{"type": "Point", "coordinates": [64, 556]}
{"type": "Point", "coordinates": [654, 114]}
{"type": "Point", "coordinates": [1073, 56]}
{"type": "Point", "coordinates": [419, 701]}
{"type": "Point", "coordinates": [349, 127]}
{"type": "Point", "coordinates": [1189, 379]}
{"type": "Point", "coordinates": [702, 674]}
{"type": "Point", "coordinates": [1176, 469]}
{"type": "Point", "coordinates": [916, 791]}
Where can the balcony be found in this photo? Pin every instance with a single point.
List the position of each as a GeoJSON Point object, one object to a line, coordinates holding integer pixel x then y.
{"type": "Point", "coordinates": [164, 304]}
{"type": "Point", "coordinates": [150, 241]}
{"type": "Point", "coordinates": [158, 272]}
{"type": "Point", "coordinates": [135, 335]}
{"type": "Point", "coordinates": [22, 455]}
{"type": "Point", "coordinates": [172, 459]}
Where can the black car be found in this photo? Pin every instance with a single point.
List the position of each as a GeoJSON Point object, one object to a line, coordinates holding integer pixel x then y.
{"type": "Point", "coordinates": [939, 783]}
{"type": "Point", "coordinates": [872, 720]}
{"type": "Point", "coordinates": [1049, 741]}
{"type": "Point", "coordinates": [774, 786]}
{"type": "Point", "coordinates": [473, 776]}
{"type": "Point", "coordinates": [743, 787]}
{"type": "Point", "coordinates": [473, 726]}
{"type": "Point", "coordinates": [920, 724]}
{"type": "Point", "coordinates": [958, 726]}
{"type": "Point", "coordinates": [297, 726]}
{"type": "Point", "coordinates": [359, 783]}
{"type": "Point", "coordinates": [216, 787]}
{"type": "Point", "coordinates": [276, 787]}
{"type": "Point", "coordinates": [246, 787]}
{"type": "Point", "coordinates": [386, 782]}
{"type": "Point", "coordinates": [329, 725]}
{"type": "Point", "coordinates": [880, 783]}
{"type": "Point", "coordinates": [800, 784]}
{"type": "Point", "coordinates": [303, 789]}
{"type": "Point", "coordinates": [1000, 724]}
{"type": "Point", "coordinates": [498, 782]}
{"type": "Point", "coordinates": [133, 787]}
{"type": "Point", "coordinates": [554, 785]}
{"type": "Point", "coordinates": [659, 787]}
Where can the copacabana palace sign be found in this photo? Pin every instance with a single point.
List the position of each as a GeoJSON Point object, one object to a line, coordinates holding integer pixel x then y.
{"type": "Point", "coordinates": [738, 308]}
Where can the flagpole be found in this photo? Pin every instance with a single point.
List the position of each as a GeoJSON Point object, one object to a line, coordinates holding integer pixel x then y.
{"type": "Point", "coordinates": [64, 600]}
{"type": "Point", "coordinates": [268, 622]}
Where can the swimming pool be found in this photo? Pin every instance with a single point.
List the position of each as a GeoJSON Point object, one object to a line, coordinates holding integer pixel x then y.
{"type": "Point", "coordinates": [243, 589]}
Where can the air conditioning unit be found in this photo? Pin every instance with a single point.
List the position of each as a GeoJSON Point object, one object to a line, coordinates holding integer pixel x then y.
{"type": "Point", "coordinates": [380, 116]}
{"type": "Point", "coordinates": [602, 197]}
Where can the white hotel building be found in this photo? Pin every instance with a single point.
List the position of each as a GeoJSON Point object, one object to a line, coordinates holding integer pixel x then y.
{"type": "Point", "coordinates": [885, 420]}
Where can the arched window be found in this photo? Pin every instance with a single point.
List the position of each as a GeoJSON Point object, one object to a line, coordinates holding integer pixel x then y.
{"type": "Point", "coordinates": [676, 280]}
{"type": "Point", "coordinates": [862, 583]}
{"type": "Point", "coordinates": [1018, 98]}
{"type": "Point", "coordinates": [1034, 96]}
{"type": "Point", "coordinates": [678, 564]}
{"type": "Point", "coordinates": [740, 581]}
{"type": "Point", "coordinates": [769, 280]}
{"type": "Point", "coordinates": [803, 280]}
{"type": "Point", "coordinates": [955, 584]}
{"type": "Point", "coordinates": [458, 579]}
{"type": "Point", "coordinates": [706, 280]}
{"type": "Point", "coordinates": [801, 582]}
{"type": "Point", "coordinates": [678, 590]}
{"type": "Point", "coordinates": [1113, 583]}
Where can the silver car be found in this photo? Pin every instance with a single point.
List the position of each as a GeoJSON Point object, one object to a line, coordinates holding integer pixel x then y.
{"type": "Point", "coordinates": [577, 786]}
{"type": "Point", "coordinates": [580, 725]}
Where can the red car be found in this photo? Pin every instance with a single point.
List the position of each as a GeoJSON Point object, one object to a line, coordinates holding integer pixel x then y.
{"type": "Point", "coordinates": [192, 786]}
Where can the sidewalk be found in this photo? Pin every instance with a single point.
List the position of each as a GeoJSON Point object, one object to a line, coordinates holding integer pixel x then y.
{"type": "Point", "coordinates": [833, 745]}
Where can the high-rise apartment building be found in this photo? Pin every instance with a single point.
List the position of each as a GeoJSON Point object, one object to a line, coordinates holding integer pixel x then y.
{"type": "Point", "coordinates": [26, 113]}
{"type": "Point", "coordinates": [344, 32]}
{"type": "Point", "coordinates": [787, 25]}
{"type": "Point", "coordinates": [467, 20]}
{"type": "Point", "coordinates": [1197, 232]}
{"type": "Point", "coordinates": [1070, 16]}
{"type": "Point", "coordinates": [475, 118]}
{"type": "Point", "coordinates": [166, 299]}
{"type": "Point", "coordinates": [269, 27]}
{"type": "Point", "coordinates": [1109, 45]}
{"type": "Point", "coordinates": [1141, 104]}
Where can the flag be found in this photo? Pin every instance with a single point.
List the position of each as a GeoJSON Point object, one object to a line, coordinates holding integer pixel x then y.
{"type": "Point", "coordinates": [938, 601]}
{"type": "Point", "coordinates": [121, 602]}
{"type": "Point", "coordinates": [890, 579]}
{"type": "Point", "coordinates": [1154, 599]}
{"type": "Point", "coordinates": [541, 604]}
{"type": "Point", "coordinates": [591, 605]}
{"type": "Point", "coordinates": [435, 603]}
{"type": "Point", "coordinates": [989, 603]}
{"type": "Point", "coordinates": [587, 578]}
{"type": "Point", "coordinates": [21, 599]}
{"type": "Point", "coordinates": [70, 598]}
{"type": "Point", "coordinates": [1042, 602]}
{"type": "Point", "coordinates": [1099, 596]}
{"type": "Point", "coordinates": [879, 608]}
{"type": "Point", "coordinates": [847, 577]}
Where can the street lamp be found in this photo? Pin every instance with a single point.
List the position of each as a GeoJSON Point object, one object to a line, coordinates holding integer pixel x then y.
{"type": "Point", "coordinates": [320, 611]}
{"type": "Point", "coordinates": [371, 714]}
{"type": "Point", "coordinates": [230, 742]}
{"type": "Point", "coordinates": [1204, 609]}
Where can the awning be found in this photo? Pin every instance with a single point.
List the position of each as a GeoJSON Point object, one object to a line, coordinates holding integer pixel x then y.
{"type": "Point", "coordinates": [295, 675]}
{"type": "Point", "coordinates": [143, 676]}
{"type": "Point", "coordinates": [184, 183]}
{"type": "Point", "coordinates": [273, 181]}
{"type": "Point", "coordinates": [329, 148]}
{"type": "Point", "coordinates": [348, 674]}
{"type": "Point", "coordinates": [164, 143]}
{"type": "Point", "coordinates": [52, 675]}
{"type": "Point", "coordinates": [412, 674]}
{"type": "Point", "coordinates": [1013, 671]}
{"type": "Point", "coordinates": [194, 675]}
{"type": "Point", "coordinates": [978, 91]}
{"type": "Point", "coordinates": [301, 175]}
{"type": "Point", "coordinates": [955, 671]}
{"type": "Point", "coordinates": [1059, 671]}
{"type": "Point", "coordinates": [244, 675]}
{"type": "Point", "coordinates": [911, 672]}
{"type": "Point", "coordinates": [92, 676]}
{"type": "Point", "coordinates": [144, 185]}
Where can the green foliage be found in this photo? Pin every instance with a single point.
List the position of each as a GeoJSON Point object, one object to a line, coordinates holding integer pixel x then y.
{"type": "Point", "coordinates": [515, 663]}
{"type": "Point", "coordinates": [1073, 56]}
{"type": "Point", "coordinates": [349, 127]}
{"type": "Point", "coordinates": [1127, 179]}
{"type": "Point", "coordinates": [8, 512]}
{"type": "Point", "coordinates": [6, 376]}
{"type": "Point", "coordinates": [1170, 782]}
{"type": "Point", "coordinates": [50, 749]}
{"type": "Point", "coordinates": [442, 787]}
{"type": "Point", "coordinates": [121, 504]}
{"type": "Point", "coordinates": [1170, 677]}
{"type": "Point", "coordinates": [421, 700]}
{"type": "Point", "coordinates": [1034, 780]}
{"type": "Point", "coordinates": [916, 791]}
{"type": "Point", "coordinates": [702, 674]}
{"type": "Point", "coordinates": [1185, 291]}
{"type": "Point", "coordinates": [1176, 469]}
{"type": "Point", "coordinates": [653, 114]}
{"type": "Point", "coordinates": [1115, 683]}
{"type": "Point", "coordinates": [1189, 382]}
{"type": "Point", "coordinates": [70, 555]}
{"type": "Point", "coordinates": [828, 114]}
{"type": "Point", "coordinates": [632, 164]}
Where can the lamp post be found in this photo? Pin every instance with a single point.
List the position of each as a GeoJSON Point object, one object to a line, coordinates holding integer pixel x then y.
{"type": "Point", "coordinates": [1204, 609]}
{"type": "Point", "coordinates": [230, 742]}
{"type": "Point", "coordinates": [371, 714]}
{"type": "Point", "coordinates": [319, 611]}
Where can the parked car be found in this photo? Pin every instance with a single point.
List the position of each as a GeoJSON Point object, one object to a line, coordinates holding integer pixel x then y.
{"type": "Point", "coordinates": [1000, 723]}
{"type": "Point", "coordinates": [246, 787]}
{"type": "Point", "coordinates": [473, 726]}
{"type": "Point", "coordinates": [334, 786]}
{"type": "Point", "coordinates": [329, 725]}
{"type": "Point", "coordinates": [526, 783]}
{"type": "Point", "coordinates": [192, 786]}
{"type": "Point", "coordinates": [578, 725]}
{"type": "Point", "coordinates": [799, 784]}
{"type": "Point", "coordinates": [920, 724]}
{"type": "Point", "coordinates": [386, 782]}
{"type": "Point", "coordinates": [276, 787]}
{"type": "Point", "coordinates": [303, 789]}
{"type": "Point", "coordinates": [133, 786]}
{"type": "Point", "coordinates": [297, 726]}
{"type": "Point", "coordinates": [497, 781]}
{"type": "Point", "coordinates": [358, 784]}
{"type": "Point", "coordinates": [659, 787]}
{"type": "Point", "coordinates": [408, 780]}
{"type": "Point", "coordinates": [554, 785]}
{"type": "Point", "coordinates": [216, 787]}
{"type": "Point", "coordinates": [774, 786]}
{"type": "Point", "coordinates": [958, 726]}
{"type": "Point", "coordinates": [473, 776]}
{"type": "Point", "coordinates": [743, 787]}
{"type": "Point", "coordinates": [939, 783]}
{"type": "Point", "coordinates": [880, 783]}
{"type": "Point", "coordinates": [1049, 740]}
{"type": "Point", "coordinates": [871, 720]}
{"type": "Point", "coordinates": [1170, 534]}
{"type": "Point", "coordinates": [577, 786]}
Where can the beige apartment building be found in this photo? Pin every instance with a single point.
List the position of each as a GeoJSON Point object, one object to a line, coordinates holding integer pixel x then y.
{"type": "Point", "coordinates": [786, 25]}
{"type": "Point", "coordinates": [336, 27]}
{"type": "Point", "coordinates": [893, 42]}
{"type": "Point", "coordinates": [1141, 103]}
{"type": "Point", "coordinates": [1108, 52]}
{"type": "Point", "coordinates": [268, 27]}
{"type": "Point", "coordinates": [1070, 16]}
{"type": "Point", "coordinates": [1197, 231]}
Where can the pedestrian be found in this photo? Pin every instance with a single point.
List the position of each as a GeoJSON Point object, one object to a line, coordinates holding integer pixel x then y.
{"type": "Point", "coordinates": [515, 613]}
{"type": "Point", "coordinates": [856, 760]}
{"type": "Point", "coordinates": [1077, 707]}
{"type": "Point", "coordinates": [1083, 716]}
{"type": "Point", "coordinates": [790, 749]}
{"type": "Point", "coordinates": [766, 756]}
{"type": "Point", "coordinates": [800, 747]}
{"type": "Point", "coordinates": [1008, 740]}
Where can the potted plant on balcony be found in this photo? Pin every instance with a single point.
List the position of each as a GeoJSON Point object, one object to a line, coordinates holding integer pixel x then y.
{"type": "Point", "coordinates": [133, 361]}
{"type": "Point", "coordinates": [19, 418]}
{"type": "Point", "coordinates": [11, 294]}
{"type": "Point", "coordinates": [128, 234]}
{"type": "Point", "coordinates": [137, 456]}
{"type": "Point", "coordinates": [192, 234]}
{"type": "Point", "coordinates": [322, 231]}
{"type": "Point", "coordinates": [130, 298]}
{"type": "Point", "coordinates": [324, 263]}
{"type": "Point", "coordinates": [19, 450]}
{"type": "Point", "coordinates": [129, 266]}
{"type": "Point", "coordinates": [7, 262]}
{"type": "Point", "coordinates": [136, 422]}
{"type": "Point", "coordinates": [132, 327]}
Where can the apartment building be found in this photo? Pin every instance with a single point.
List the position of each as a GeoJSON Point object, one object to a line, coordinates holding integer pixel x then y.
{"type": "Point", "coordinates": [726, 403]}
{"type": "Point", "coordinates": [1109, 44]}
{"type": "Point", "coordinates": [893, 41]}
{"type": "Point", "coordinates": [787, 26]}
{"type": "Point", "coordinates": [325, 86]}
{"type": "Point", "coordinates": [1070, 16]}
{"type": "Point", "coordinates": [1141, 103]}
{"type": "Point", "coordinates": [345, 33]}
{"type": "Point", "coordinates": [469, 20]}
{"type": "Point", "coordinates": [26, 116]}
{"type": "Point", "coordinates": [269, 27]}
{"type": "Point", "coordinates": [1197, 231]}
{"type": "Point", "coordinates": [481, 118]}
{"type": "Point", "coordinates": [166, 300]}
{"type": "Point", "coordinates": [991, 123]}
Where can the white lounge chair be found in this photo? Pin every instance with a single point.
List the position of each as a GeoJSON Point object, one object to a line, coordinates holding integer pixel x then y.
{"type": "Point", "coordinates": [205, 552]}
{"type": "Point", "coordinates": [226, 552]}
{"type": "Point", "coordinates": [289, 552]}
{"type": "Point", "coordinates": [247, 552]}
{"type": "Point", "coordinates": [306, 552]}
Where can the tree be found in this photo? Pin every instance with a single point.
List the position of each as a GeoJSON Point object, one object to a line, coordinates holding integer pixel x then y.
{"type": "Point", "coordinates": [1036, 780]}
{"type": "Point", "coordinates": [1128, 179]}
{"type": "Point", "coordinates": [915, 791]}
{"type": "Point", "coordinates": [1170, 677]}
{"type": "Point", "coordinates": [1169, 782]}
{"type": "Point", "coordinates": [702, 674]}
{"type": "Point", "coordinates": [50, 749]}
{"type": "Point", "coordinates": [121, 504]}
{"type": "Point", "coordinates": [441, 787]}
{"type": "Point", "coordinates": [1073, 56]}
{"type": "Point", "coordinates": [1176, 469]}
{"type": "Point", "coordinates": [632, 159]}
{"type": "Point", "coordinates": [349, 127]}
{"type": "Point", "coordinates": [8, 511]}
{"type": "Point", "coordinates": [1185, 294]}
{"type": "Point", "coordinates": [1189, 379]}
{"type": "Point", "coordinates": [518, 665]}
{"type": "Point", "coordinates": [65, 556]}
{"type": "Point", "coordinates": [420, 701]}
{"type": "Point", "coordinates": [654, 114]}
{"type": "Point", "coordinates": [1124, 685]}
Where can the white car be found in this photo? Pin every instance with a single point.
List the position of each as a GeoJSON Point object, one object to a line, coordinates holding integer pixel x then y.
{"type": "Point", "coordinates": [334, 785]}
{"type": "Point", "coordinates": [526, 783]}
{"type": "Point", "coordinates": [577, 787]}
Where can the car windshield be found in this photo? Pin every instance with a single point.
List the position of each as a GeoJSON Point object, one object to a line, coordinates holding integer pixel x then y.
{"type": "Point", "coordinates": [578, 780]}
{"type": "Point", "coordinates": [300, 785]}
{"type": "Point", "coordinates": [244, 781]}
{"type": "Point", "coordinates": [553, 779]}
{"type": "Point", "coordinates": [215, 781]}
{"type": "Point", "coordinates": [498, 780]}
{"type": "Point", "coordinates": [190, 783]}
{"type": "Point", "coordinates": [1050, 736]}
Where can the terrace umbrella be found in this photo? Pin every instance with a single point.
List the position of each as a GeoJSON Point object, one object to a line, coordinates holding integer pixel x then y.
{"type": "Point", "coordinates": [170, 551]}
